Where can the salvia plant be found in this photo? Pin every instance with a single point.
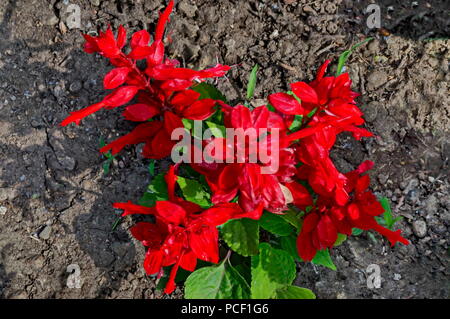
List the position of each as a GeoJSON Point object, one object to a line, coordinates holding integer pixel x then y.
{"type": "Point", "coordinates": [232, 227]}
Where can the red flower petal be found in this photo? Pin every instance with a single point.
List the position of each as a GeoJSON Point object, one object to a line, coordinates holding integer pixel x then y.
{"type": "Point", "coordinates": [77, 116]}
{"type": "Point", "coordinates": [171, 212]}
{"type": "Point", "coordinates": [153, 261]}
{"type": "Point", "coordinates": [204, 242]}
{"type": "Point", "coordinates": [115, 77]}
{"type": "Point", "coordinates": [286, 104]}
{"type": "Point", "coordinates": [200, 110]}
{"type": "Point", "coordinates": [140, 112]}
{"type": "Point", "coordinates": [120, 96]}
{"type": "Point", "coordinates": [306, 93]}
{"type": "Point", "coordinates": [133, 209]}
{"type": "Point", "coordinates": [156, 55]}
{"type": "Point", "coordinates": [171, 122]}
{"type": "Point", "coordinates": [188, 261]}
{"type": "Point", "coordinates": [140, 134]}
{"type": "Point", "coordinates": [140, 39]}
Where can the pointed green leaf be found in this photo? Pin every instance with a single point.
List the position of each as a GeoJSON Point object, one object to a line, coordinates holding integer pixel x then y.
{"type": "Point", "coordinates": [208, 91]}
{"type": "Point", "coordinates": [194, 192]}
{"type": "Point", "coordinates": [271, 269]}
{"type": "Point", "coordinates": [275, 224]}
{"type": "Point", "coordinates": [289, 244]}
{"type": "Point", "coordinates": [344, 56]}
{"type": "Point", "coordinates": [217, 130]}
{"type": "Point", "coordinates": [242, 236]}
{"type": "Point", "coordinates": [323, 258]}
{"type": "Point", "coordinates": [156, 191]}
{"type": "Point", "coordinates": [252, 82]}
{"type": "Point", "coordinates": [294, 292]}
{"type": "Point", "coordinates": [216, 282]}
{"type": "Point", "coordinates": [341, 238]}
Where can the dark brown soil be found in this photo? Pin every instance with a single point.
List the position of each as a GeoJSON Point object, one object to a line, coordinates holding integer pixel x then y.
{"type": "Point", "coordinates": [55, 201]}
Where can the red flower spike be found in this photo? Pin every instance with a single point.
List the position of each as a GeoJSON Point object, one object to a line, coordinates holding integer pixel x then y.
{"type": "Point", "coordinates": [163, 18]}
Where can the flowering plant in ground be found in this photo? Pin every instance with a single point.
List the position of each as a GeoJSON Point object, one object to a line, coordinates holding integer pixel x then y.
{"type": "Point", "coordinates": [227, 225]}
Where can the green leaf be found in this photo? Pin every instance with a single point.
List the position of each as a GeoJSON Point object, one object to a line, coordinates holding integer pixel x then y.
{"type": "Point", "coordinates": [216, 282]}
{"type": "Point", "coordinates": [344, 56]}
{"type": "Point", "coordinates": [188, 124]}
{"type": "Point", "coordinates": [252, 82]}
{"type": "Point", "coordinates": [271, 269]}
{"type": "Point", "coordinates": [106, 165]}
{"type": "Point", "coordinates": [388, 218]}
{"type": "Point", "coordinates": [217, 130]}
{"type": "Point", "coordinates": [208, 91]}
{"type": "Point", "coordinates": [289, 244]}
{"type": "Point", "coordinates": [341, 238]}
{"type": "Point", "coordinates": [293, 218]}
{"type": "Point", "coordinates": [242, 235]}
{"type": "Point", "coordinates": [357, 231]}
{"type": "Point", "coordinates": [151, 167]}
{"type": "Point", "coordinates": [194, 192]}
{"type": "Point", "coordinates": [296, 123]}
{"type": "Point", "coordinates": [156, 191]}
{"type": "Point", "coordinates": [275, 224]}
{"type": "Point", "coordinates": [323, 258]}
{"type": "Point", "coordinates": [294, 292]}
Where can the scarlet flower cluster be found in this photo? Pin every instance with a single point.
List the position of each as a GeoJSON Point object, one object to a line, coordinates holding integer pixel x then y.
{"type": "Point", "coordinates": [162, 88]}
{"type": "Point", "coordinates": [182, 232]}
{"type": "Point", "coordinates": [308, 119]}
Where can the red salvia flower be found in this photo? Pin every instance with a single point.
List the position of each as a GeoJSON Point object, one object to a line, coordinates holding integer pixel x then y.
{"type": "Point", "coordinates": [162, 88]}
{"type": "Point", "coordinates": [328, 218]}
{"type": "Point", "coordinates": [182, 233]}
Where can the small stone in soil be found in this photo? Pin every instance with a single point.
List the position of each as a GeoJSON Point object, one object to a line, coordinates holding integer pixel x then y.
{"type": "Point", "coordinates": [397, 277]}
{"type": "Point", "coordinates": [376, 79]}
{"type": "Point", "coordinates": [419, 228]}
{"type": "Point", "coordinates": [3, 210]}
{"type": "Point", "coordinates": [75, 86]}
{"type": "Point", "coordinates": [45, 232]}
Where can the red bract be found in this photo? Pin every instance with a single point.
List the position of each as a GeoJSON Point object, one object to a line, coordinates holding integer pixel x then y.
{"type": "Point", "coordinates": [328, 218]}
{"type": "Point", "coordinates": [162, 87]}
{"type": "Point", "coordinates": [182, 232]}
{"type": "Point", "coordinates": [244, 178]}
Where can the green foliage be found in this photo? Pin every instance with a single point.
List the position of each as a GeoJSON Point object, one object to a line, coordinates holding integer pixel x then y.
{"type": "Point", "coordinates": [242, 236]}
{"type": "Point", "coordinates": [151, 167]}
{"type": "Point", "coordinates": [388, 219]}
{"type": "Point", "coordinates": [357, 231]}
{"type": "Point", "coordinates": [217, 282]}
{"type": "Point", "coordinates": [217, 130]}
{"type": "Point", "coordinates": [208, 91]}
{"type": "Point", "coordinates": [294, 292]}
{"type": "Point", "coordinates": [296, 123]}
{"type": "Point", "coordinates": [345, 55]}
{"type": "Point", "coordinates": [323, 258]}
{"type": "Point", "coordinates": [341, 238]}
{"type": "Point", "coordinates": [156, 191]}
{"type": "Point", "coordinates": [252, 82]}
{"type": "Point", "coordinates": [275, 224]}
{"type": "Point", "coordinates": [273, 272]}
{"type": "Point", "coordinates": [109, 158]}
{"type": "Point", "coordinates": [293, 218]}
{"type": "Point", "coordinates": [194, 192]}
{"type": "Point", "coordinates": [289, 244]}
